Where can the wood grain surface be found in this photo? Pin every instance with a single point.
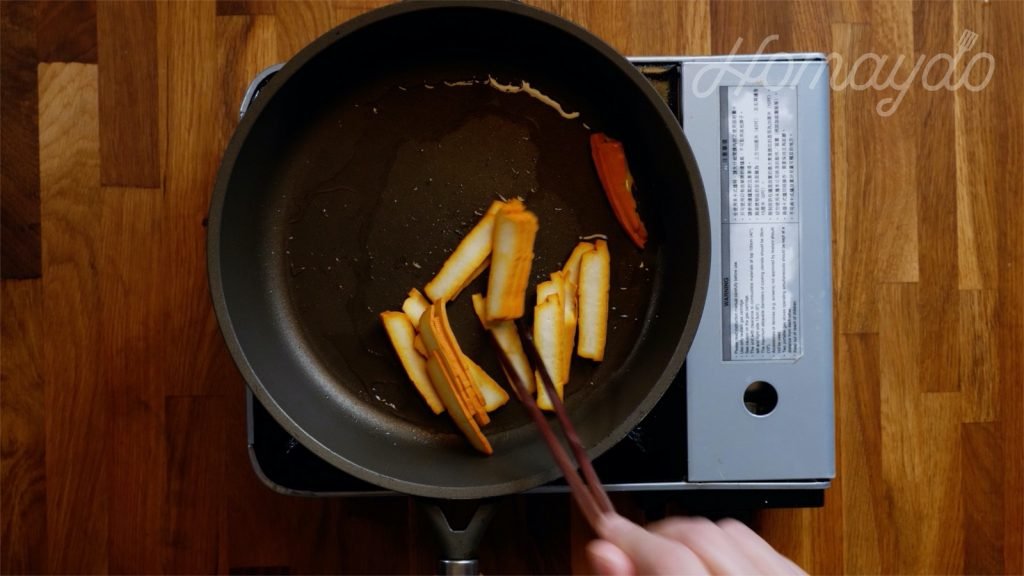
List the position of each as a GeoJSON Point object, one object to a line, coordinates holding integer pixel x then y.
{"type": "Point", "coordinates": [123, 426]}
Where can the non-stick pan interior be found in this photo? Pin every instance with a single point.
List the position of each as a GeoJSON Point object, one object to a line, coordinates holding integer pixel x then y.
{"type": "Point", "coordinates": [367, 160]}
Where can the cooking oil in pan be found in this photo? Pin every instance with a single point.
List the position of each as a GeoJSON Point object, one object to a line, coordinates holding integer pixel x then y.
{"type": "Point", "coordinates": [391, 184]}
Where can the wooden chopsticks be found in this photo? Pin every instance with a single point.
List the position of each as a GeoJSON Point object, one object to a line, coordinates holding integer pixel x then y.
{"type": "Point", "coordinates": [587, 490]}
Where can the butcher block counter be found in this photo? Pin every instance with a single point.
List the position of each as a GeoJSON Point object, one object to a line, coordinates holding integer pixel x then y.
{"type": "Point", "coordinates": [123, 416]}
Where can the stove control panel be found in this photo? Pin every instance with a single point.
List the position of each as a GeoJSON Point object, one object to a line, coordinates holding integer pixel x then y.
{"type": "Point", "coordinates": [759, 376]}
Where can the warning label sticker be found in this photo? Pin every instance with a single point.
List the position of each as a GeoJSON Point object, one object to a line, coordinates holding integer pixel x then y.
{"type": "Point", "coordinates": [760, 224]}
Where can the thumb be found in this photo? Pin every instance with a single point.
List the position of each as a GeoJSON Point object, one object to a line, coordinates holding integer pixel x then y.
{"type": "Point", "coordinates": [648, 552]}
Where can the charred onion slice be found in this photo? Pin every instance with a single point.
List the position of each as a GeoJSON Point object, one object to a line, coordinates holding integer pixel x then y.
{"type": "Point", "coordinates": [414, 306]}
{"type": "Point", "coordinates": [515, 229]}
{"type": "Point", "coordinates": [595, 278]}
{"type": "Point", "coordinates": [402, 335]}
{"type": "Point", "coordinates": [507, 336]}
{"type": "Point", "coordinates": [451, 360]}
{"type": "Point", "coordinates": [548, 334]}
{"type": "Point", "coordinates": [571, 269]}
{"type": "Point", "coordinates": [457, 360]}
{"type": "Point", "coordinates": [494, 395]}
{"type": "Point", "coordinates": [569, 303]}
{"type": "Point", "coordinates": [467, 259]}
{"type": "Point", "coordinates": [446, 388]}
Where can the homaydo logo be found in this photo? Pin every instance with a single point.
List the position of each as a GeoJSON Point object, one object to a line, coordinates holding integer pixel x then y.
{"type": "Point", "coordinates": [868, 71]}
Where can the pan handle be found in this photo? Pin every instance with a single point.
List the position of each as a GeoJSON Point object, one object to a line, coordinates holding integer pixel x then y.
{"type": "Point", "coordinates": [458, 547]}
{"type": "Point", "coordinates": [458, 567]}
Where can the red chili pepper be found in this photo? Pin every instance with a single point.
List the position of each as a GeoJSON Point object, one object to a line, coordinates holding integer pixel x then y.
{"type": "Point", "coordinates": [610, 161]}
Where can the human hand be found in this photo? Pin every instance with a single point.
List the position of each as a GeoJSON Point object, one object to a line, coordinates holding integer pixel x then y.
{"type": "Point", "coordinates": [684, 546]}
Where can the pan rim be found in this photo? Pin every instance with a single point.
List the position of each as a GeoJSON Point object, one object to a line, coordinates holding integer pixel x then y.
{"type": "Point", "coordinates": [226, 323]}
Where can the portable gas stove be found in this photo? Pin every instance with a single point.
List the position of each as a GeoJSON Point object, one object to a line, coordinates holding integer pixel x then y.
{"type": "Point", "coordinates": [749, 420]}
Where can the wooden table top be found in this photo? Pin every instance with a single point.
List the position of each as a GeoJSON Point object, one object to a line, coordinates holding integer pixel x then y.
{"type": "Point", "coordinates": [123, 423]}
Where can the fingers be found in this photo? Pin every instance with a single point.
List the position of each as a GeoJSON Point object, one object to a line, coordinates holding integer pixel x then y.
{"type": "Point", "coordinates": [728, 547]}
{"type": "Point", "coordinates": [684, 546]}
{"type": "Point", "coordinates": [649, 553]}
{"type": "Point", "coordinates": [718, 551]}
{"type": "Point", "coordinates": [766, 558]}
{"type": "Point", "coordinates": [608, 560]}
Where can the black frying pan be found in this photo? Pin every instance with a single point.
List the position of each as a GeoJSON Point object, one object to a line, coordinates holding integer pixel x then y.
{"type": "Point", "coordinates": [359, 169]}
